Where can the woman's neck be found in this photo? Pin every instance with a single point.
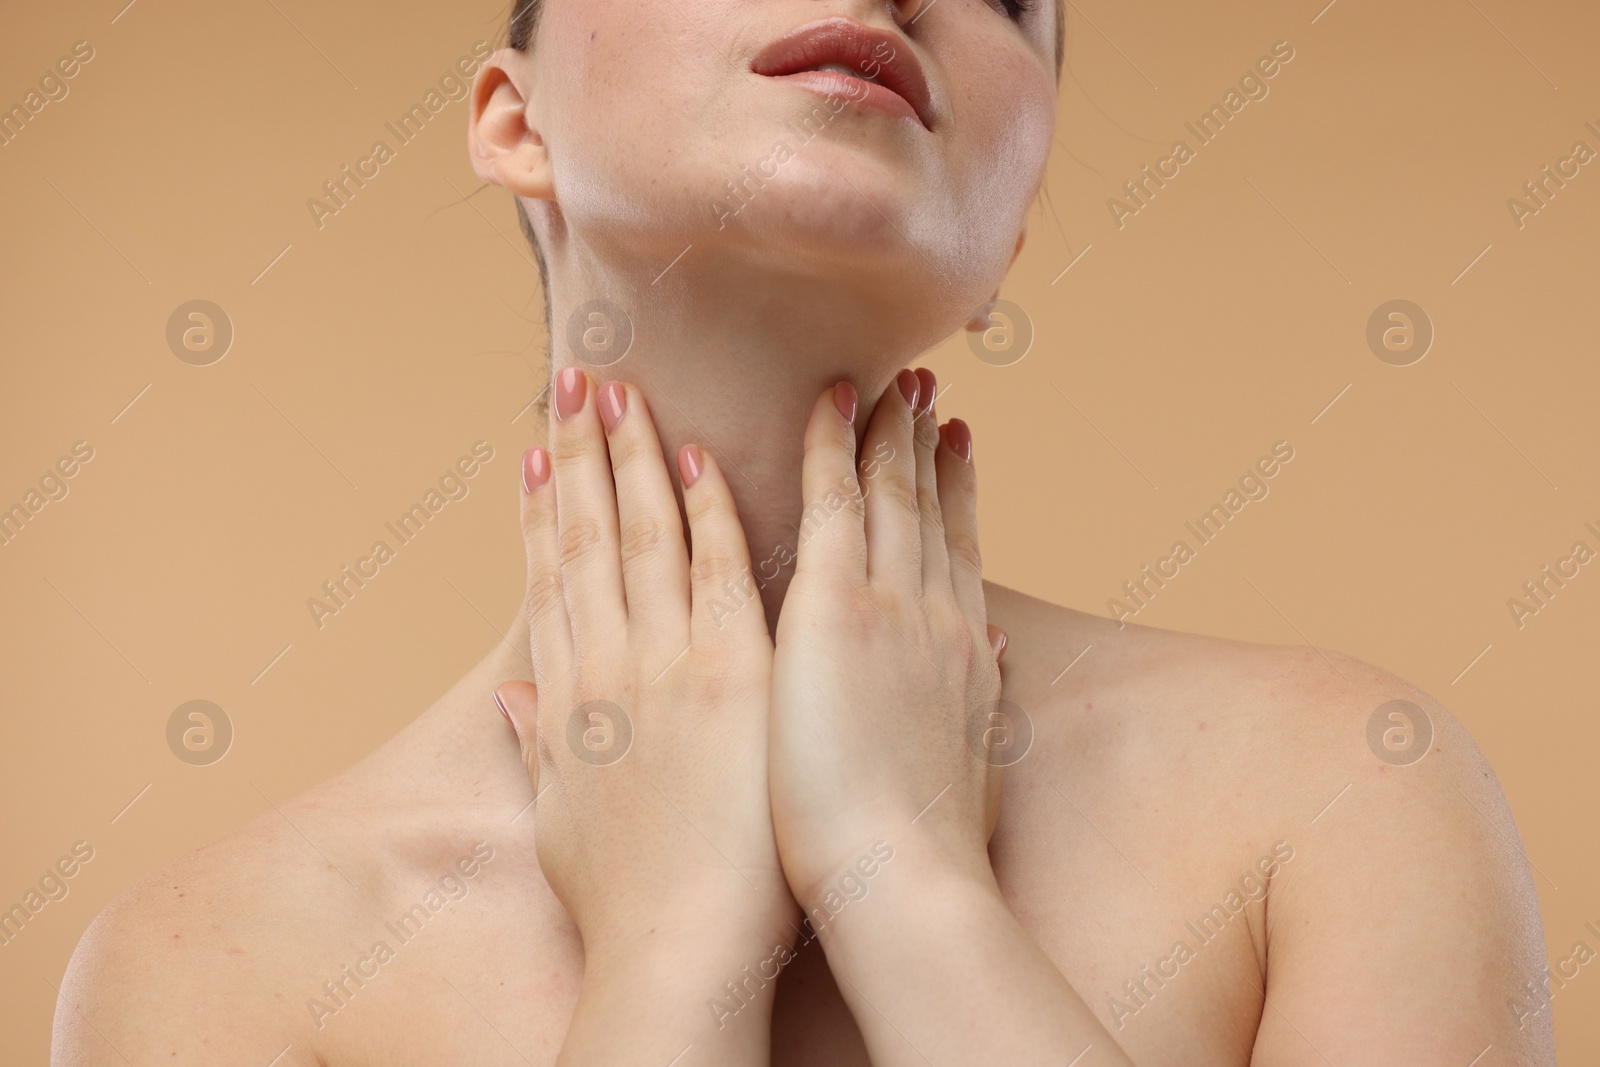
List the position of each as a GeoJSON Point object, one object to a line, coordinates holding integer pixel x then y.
{"type": "Point", "coordinates": [738, 375]}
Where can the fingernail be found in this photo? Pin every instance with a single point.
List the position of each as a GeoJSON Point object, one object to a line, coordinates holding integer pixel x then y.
{"type": "Point", "coordinates": [959, 438]}
{"type": "Point", "coordinates": [535, 468]}
{"type": "Point", "coordinates": [927, 389]}
{"type": "Point", "coordinates": [997, 641]}
{"type": "Point", "coordinates": [689, 464]}
{"type": "Point", "coordinates": [613, 404]}
{"type": "Point", "coordinates": [844, 398]}
{"type": "Point", "coordinates": [907, 381]}
{"type": "Point", "coordinates": [502, 706]}
{"type": "Point", "coordinates": [572, 386]}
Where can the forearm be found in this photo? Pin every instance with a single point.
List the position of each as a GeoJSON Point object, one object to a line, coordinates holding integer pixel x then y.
{"type": "Point", "coordinates": [671, 992]}
{"type": "Point", "coordinates": [935, 967]}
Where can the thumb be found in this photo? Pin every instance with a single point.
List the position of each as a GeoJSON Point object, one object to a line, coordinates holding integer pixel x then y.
{"type": "Point", "coordinates": [518, 701]}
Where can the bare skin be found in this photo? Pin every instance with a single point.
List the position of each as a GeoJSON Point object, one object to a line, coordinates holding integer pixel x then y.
{"type": "Point", "coordinates": [1165, 766]}
{"type": "Point", "coordinates": [1379, 913]}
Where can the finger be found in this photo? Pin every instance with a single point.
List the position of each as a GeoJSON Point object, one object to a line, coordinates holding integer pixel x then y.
{"type": "Point", "coordinates": [721, 584]}
{"type": "Point", "coordinates": [925, 442]}
{"type": "Point", "coordinates": [889, 483]}
{"type": "Point", "coordinates": [655, 561]}
{"type": "Point", "coordinates": [831, 539]}
{"type": "Point", "coordinates": [549, 631]}
{"type": "Point", "coordinates": [998, 639]}
{"type": "Point", "coordinates": [958, 503]}
{"type": "Point", "coordinates": [519, 703]}
{"type": "Point", "coordinates": [586, 513]}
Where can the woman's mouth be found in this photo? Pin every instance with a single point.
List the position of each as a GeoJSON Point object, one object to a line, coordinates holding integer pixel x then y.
{"type": "Point", "coordinates": [842, 57]}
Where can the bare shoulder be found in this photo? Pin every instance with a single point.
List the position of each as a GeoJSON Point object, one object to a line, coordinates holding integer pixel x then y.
{"type": "Point", "coordinates": [1408, 884]}
{"type": "Point", "coordinates": [215, 956]}
{"type": "Point", "coordinates": [212, 935]}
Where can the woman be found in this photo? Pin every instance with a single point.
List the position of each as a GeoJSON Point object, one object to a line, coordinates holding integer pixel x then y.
{"type": "Point", "coordinates": [748, 806]}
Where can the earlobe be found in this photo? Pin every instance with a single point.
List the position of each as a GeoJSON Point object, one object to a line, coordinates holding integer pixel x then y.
{"type": "Point", "coordinates": [525, 170]}
{"type": "Point", "coordinates": [505, 149]}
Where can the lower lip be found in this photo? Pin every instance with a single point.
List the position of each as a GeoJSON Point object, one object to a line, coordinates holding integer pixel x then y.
{"type": "Point", "coordinates": [856, 90]}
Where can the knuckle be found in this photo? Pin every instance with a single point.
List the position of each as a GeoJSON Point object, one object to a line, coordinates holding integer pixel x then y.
{"type": "Point", "coordinates": [963, 548]}
{"type": "Point", "coordinates": [579, 538]}
{"type": "Point", "coordinates": [714, 564]}
{"type": "Point", "coordinates": [627, 450]}
{"type": "Point", "coordinates": [567, 448]}
{"type": "Point", "coordinates": [642, 538]}
{"type": "Point", "coordinates": [900, 492]}
{"type": "Point", "coordinates": [544, 595]}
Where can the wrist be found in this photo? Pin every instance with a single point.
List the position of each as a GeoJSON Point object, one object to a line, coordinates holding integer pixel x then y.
{"type": "Point", "coordinates": [906, 882]}
{"type": "Point", "coordinates": [717, 928]}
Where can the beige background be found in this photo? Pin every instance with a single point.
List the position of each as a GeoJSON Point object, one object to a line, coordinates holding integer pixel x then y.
{"type": "Point", "coordinates": [1230, 313]}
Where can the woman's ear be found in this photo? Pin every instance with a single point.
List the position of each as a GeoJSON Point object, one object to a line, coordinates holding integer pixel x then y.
{"type": "Point", "coordinates": [505, 150]}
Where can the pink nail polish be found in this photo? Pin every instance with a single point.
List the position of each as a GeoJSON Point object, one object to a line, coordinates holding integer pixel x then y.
{"type": "Point", "coordinates": [572, 388]}
{"type": "Point", "coordinates": [689, 464]}
{"type": "Point", "coordinates": [927, 389]}
{"type": "Point", "coordinates": [535, 468]}
{"type": "Point", "coordinates": [613, 404]}
{"type": "Point", "coordinates": [844, 398]}
{"type": "Point", "coordinates": [907, 381]}
{"type": "Point", "coordinates": [502, 706]}
{"type": "Point", "coordinates": [959, 437]}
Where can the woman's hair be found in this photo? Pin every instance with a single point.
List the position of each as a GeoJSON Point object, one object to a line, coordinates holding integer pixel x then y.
{"type": "Point", "coordinates": [524, 26]}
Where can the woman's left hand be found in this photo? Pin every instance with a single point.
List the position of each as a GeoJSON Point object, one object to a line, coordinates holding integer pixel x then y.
{"type": "Point", "coordinates": [885, 680]}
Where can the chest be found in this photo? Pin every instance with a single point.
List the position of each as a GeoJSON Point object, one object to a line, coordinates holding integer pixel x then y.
{"type": "Point", "coordinates": [1169, 958]}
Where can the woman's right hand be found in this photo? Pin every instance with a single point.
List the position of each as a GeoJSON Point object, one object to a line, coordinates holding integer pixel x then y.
{"type": "Point", "coordinates": [645, 734]}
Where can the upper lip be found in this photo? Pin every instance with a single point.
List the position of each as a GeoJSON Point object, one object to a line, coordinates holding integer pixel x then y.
{"type": "Point", "coordinates": [885, 55]}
